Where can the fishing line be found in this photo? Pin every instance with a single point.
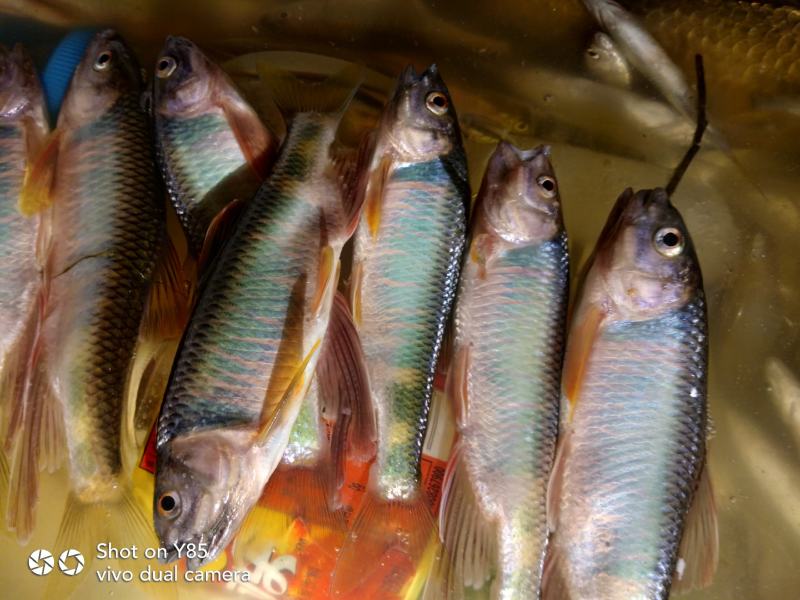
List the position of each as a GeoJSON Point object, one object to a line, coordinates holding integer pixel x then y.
{"type": "Point", "coordinates": [702, 123]}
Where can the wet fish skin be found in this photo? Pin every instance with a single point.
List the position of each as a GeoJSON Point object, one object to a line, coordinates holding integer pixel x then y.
{"type": "Point", "coordinates": [107, 227]}
{"type": "Point", "coordinates": [212, 146]}
{"type": "Point", "coordinates": [507, 348]}
{"type": "Point", "coordinates": [634, 424]}
{"type": "Point", "coordinates": [252, 327]}
{"type": "Point", "coordinates": [605, 61]}
{"type": "Point", "coordinates": [23, 128]}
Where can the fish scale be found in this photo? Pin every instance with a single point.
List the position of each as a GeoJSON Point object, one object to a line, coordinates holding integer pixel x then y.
{"type": "Point", "coordinates": [110, 262]}
{"type": "Point", "coordinates": [645, 377]}
{"type": "Point", "coordinates": [406, 298]}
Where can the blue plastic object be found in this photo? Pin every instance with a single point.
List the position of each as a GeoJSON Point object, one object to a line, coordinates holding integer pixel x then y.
{"type": "Point", "coordinates": [58, 72]}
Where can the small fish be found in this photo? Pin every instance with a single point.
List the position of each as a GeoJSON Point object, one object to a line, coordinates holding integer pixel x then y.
{"type": "Point", "coordinates": [504, 378]}
{"type": "Point", "coordinates": [212, 146]}
{"type": "Point", "coordinates": [23, 129]}
{"type": "Point", "coordinates": [96, 186]}
{"type": "Point", "coordinates": [251, 347]}
{"type": "Point", "coordinates": [407, 256]}
{"type": "Point", "coordinates": [604, 60]}
{"type": "Point", "coordinates": [644, 53]}
{"type": "Point", "coordinates": [630, 504]}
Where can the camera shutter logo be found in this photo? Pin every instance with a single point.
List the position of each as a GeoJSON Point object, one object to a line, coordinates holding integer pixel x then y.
{"type": "Point", "coordinates": [77, 560]}
{"type": "Point", "coordinates": [40, 562]}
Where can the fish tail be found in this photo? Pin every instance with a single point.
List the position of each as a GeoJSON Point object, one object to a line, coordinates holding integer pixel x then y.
{"type": "Point", "coordinates": [13, 377]}
{"type": "Point", "coordinates": [119, 521]}
{"type": "Point", "coordinates": [389, 551]}
{"type": "Point", "coordinates": [293, 95]}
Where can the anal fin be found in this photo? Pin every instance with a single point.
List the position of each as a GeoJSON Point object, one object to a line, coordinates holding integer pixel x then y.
{"type": "Point", "coordinates": [469, 539]}
{"type": "Point", "coordinates": [698, 553]}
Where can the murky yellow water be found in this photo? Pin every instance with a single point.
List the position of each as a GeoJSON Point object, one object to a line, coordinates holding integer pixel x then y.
{"type": "Point", "coordinates": [516, 71]}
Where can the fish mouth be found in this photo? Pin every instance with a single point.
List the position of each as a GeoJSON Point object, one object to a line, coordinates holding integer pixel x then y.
{"type": "Point", "coordinates": [201, 549]}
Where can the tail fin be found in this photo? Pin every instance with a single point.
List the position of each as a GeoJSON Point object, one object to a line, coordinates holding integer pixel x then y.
{"type": "Point", "coordinates": [388, 552]}
{"type": "Point", "coordinates": [120, 522]}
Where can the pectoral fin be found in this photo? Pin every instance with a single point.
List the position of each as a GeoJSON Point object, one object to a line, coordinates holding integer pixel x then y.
{"type": "Point", "coordinates": [582, 336]}
{"type": "Point", "coordinates": [373, 195]}
{"type": "Point", "coordinates": [37, 187]}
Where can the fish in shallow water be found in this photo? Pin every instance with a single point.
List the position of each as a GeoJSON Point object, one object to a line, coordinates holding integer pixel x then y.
{"type": "Point", "coordinates": [504, 378]}
{"type": "Point", "coordinates": [212, 147]}
{"type": "Point", "coordinates": [23, 129]}
{"type": "Point", "coordinates": [96, 188]}
{"type": "Point", "coordinates": [407, 257]}
{"type": "Point", "coordinates": [251, 347]}
{"type": "Point", "coordinates": [629, 503]}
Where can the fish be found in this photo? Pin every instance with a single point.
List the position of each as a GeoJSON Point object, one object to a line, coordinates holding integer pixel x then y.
{"type": "Point", "coordinates": [604, 60]}
{"type": "Point", "coordinates": [251, 347]}
{"type": "Point", "coordinates": [630, 504]}
{"type": "Point", "coordinates": [23, 130]}
{"type": "Point", "coordinates": [504, 379]}
{"type": "Point", "coordinates": [644, 53]}
{"type": "Point", "coordinates": [96, 187]}
{"type": "Point", "coordinates": [212, 146]}
{"type": "Point", "coordinates": [406, 260]}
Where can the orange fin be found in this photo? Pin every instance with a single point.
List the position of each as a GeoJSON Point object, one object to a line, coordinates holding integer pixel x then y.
{"type": "Point", "coordinates": [456, 385]}
{"type": "Point", "coordinates": [328, 269]}
{"type": "Point", "coordinates": [468, 538]}
{"type": "Point", "coordinates": [582, 335]}
{"type": "Point", "coordinates": [355, 292]}
{"type": "Point", "coordinates": [257, 144]}
{"type": "Point", "coordinates": [481, 252]}
{"type": "Point", "coordinates": [385, 550]}
{"type": "Point", "coordinates": [37, 187]}
{"type": "Point", "coordinates": [373, 193]}
{"type": "Point", "coordinates": [698, 553]}
{"type": "Point", "coordinates": [219, 230]}
{"type": "Point", "coordinates": [344, 391]}
{"type": "Point", "coordinates": [278, 418]}
{"type": "Point", "coordinates": [351, 167]}
{"type": "Point", "coordinates": [169, 301]}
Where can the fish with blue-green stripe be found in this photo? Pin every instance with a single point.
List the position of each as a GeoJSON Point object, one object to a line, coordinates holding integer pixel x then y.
{"type": "Point", "coordinates": [407, 256]}
{"type": "Point", "coordinates": [504, 379]}
{"type": "Point", "coordinates": [252, 344]}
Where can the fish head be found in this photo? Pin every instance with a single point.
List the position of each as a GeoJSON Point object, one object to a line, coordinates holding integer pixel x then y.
{"type": "Point", "coordinates": [605, 60]}
{"type": "Point", "coordinates": [206, 484]}
{"type": "Point", "coordinates": [519, 195]}
{"type": "Point", "coordinates": [18, 82]}
{"type": "Point", "coordinates": [645, 257]}
{"type": "Point", "coordinates": [420, 122]}
{"type": "Point", "coordinates": [183, 79]}
{"type": "Point", "coordinates": [107, 71]}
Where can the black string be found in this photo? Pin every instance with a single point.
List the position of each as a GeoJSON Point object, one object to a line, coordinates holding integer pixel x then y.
{"type": "Point", "coordinates": [702, 123]}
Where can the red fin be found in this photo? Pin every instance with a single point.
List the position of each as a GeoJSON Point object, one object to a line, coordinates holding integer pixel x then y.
{"type": "Point", "coordinates": [37, 187]}
{"type": "Point", "coordinates": [169, 301]}
{"type": "Point", "coordinates": [468, 538]}
{"type": "Point", "coordinates": [384, 553]}
{"type": "Point", "coordinates": [344, 390]}
{"type": "Point", "coordinates": [582, 336]}
{"type": "Point", "coordinates": [257, 144]}
{"type": "Point", "coordinates": [219, 230]}
{"type": "Point", "coordinates": [351, 168]}
{"type": "Point", "coordinates": [456, 385]}
{"type": "Point", "coordinates": [699, 549]}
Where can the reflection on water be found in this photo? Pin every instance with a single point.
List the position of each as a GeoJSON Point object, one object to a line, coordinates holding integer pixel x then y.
{"type": "Point", "coordinates": [517, 70]}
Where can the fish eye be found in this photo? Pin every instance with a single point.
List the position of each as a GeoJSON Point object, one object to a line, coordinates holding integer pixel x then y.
{"type": "Point", "coordinates": [437, 103]}
{"type": "Point", "coordinates": [169, 505]}
{"type": "Point", "coordinates": [103, 61]}
{"type": "Point", "coordinates": [165, 67]}
{"type": "Point", "coordinates": [669, 241]}
{"type": "Point", "coordinates": [547, 185]}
